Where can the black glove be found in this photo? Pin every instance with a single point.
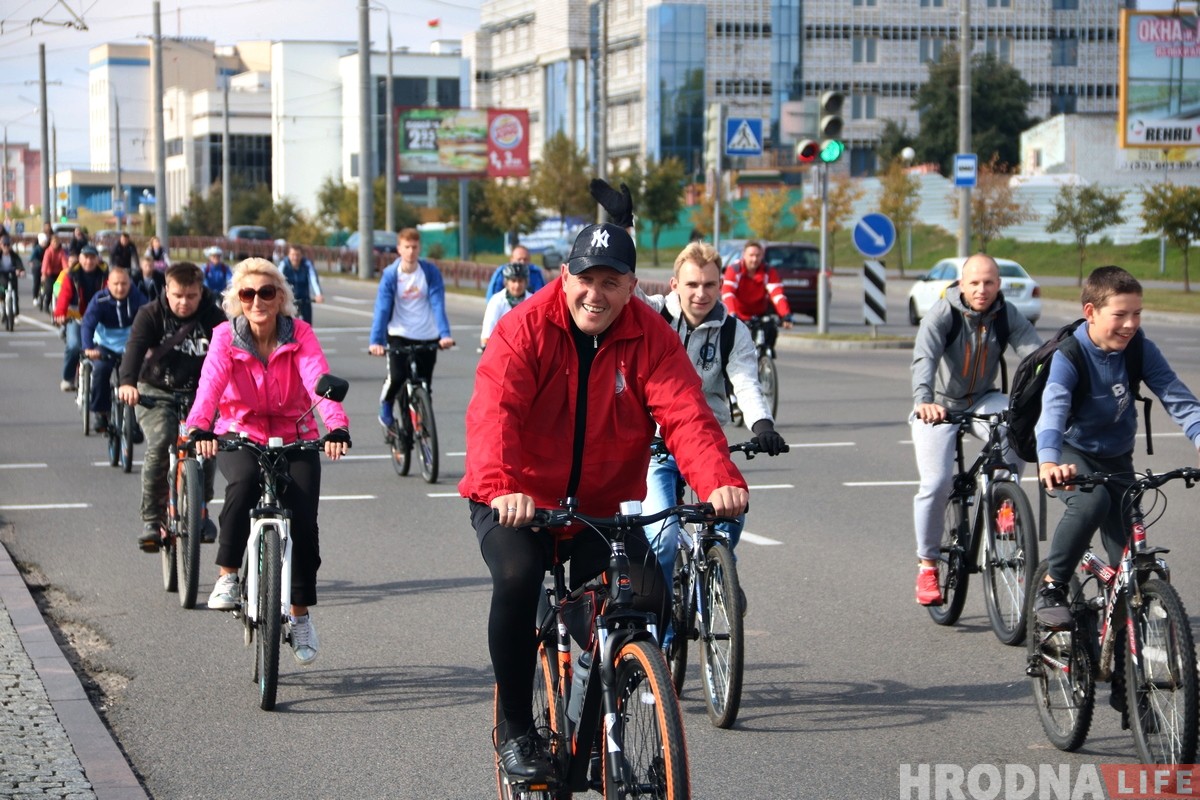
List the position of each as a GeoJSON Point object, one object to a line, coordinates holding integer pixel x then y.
{"type": "Point", "coordinates": [767, 438]}
{"type": "Point", "coordinates": [201, 435]}
{"type": "Point", "coordinates": [339, 435]}
{"type": "Point", "coordinates": [619, 205]}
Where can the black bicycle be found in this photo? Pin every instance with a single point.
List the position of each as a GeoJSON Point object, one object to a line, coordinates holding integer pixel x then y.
{"type": "Point", "coordinates": [764, 329]}
{"type": "Point", "coordinates": [989, 528]}
{"type": "Point", "coordinates": [611, 716]}
{"type": "Point", "coordinates": [414, 425]}
{"type": "Point", "coordinates": [12, 303]}
{"type": "Point", "coordinates": [121, 424]}
{"type": "Point", "coordinates": [1129, 627]}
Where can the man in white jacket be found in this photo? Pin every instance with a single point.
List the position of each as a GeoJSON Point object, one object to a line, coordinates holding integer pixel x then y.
{"type": "Point", "coordinates": [694, 309]}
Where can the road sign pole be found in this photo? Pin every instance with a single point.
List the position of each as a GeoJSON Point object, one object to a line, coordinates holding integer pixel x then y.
{"type": "Point", "coordinates": [822, 278]}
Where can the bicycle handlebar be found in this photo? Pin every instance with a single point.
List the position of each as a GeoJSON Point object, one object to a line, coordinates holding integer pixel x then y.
{"type": "Point", "coordinates": [1189, 476]}
{"type": "Point", "coordinates": [561, 517]}
{"type": "Point", "coordinates": [962, 417]}
{"type": "Point", "coordinates": [751, 448]}
{"type": "Point", "coordinates": [412, 348]}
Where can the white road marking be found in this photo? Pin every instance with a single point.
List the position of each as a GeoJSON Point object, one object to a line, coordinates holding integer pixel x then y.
{"type": "Point", "coordinates": [793, 445]}
{"type": "Point", "coordinates": [773, 486]}
{"type": "Point", "coordinates": [23, 466]}
{"type": "Point", "coordinates": [754, 538]}
{"type": "Point", "coordinates": [443, 494]}
{"type": "Point", "coordinates": [216, 501]}
{"type": "Point", "coordinates": [45, 506]}
{"type": "Point", "coordinates": [354, 301]}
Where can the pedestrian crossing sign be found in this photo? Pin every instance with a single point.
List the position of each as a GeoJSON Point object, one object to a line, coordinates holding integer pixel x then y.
{"type": "Point", "coordinates": [743, 136]}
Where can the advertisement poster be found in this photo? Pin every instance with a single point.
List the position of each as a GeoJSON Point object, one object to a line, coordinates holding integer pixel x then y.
{"type": "Point", "coordinates": [1160, 80]}
{"type": "Point", "coordinates": [462, 142]}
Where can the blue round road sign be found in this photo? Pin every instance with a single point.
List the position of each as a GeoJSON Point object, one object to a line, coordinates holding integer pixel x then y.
{"type": "Point", "coordinates": [874, 235]}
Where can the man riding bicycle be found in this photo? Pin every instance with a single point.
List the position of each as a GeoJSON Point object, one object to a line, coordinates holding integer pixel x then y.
{"type": "Point", "coordinates": [105, 331]}
{"type": "Point", "coordinates": [751, 289]}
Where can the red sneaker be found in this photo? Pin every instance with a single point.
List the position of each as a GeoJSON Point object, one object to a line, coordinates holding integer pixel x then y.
{"type": "Point", "coordinates": [928, 591]}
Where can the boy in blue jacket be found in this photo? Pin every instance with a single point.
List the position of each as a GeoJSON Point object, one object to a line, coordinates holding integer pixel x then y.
{"type": "Point", "coordinates": [104, 331]}
{"type": "Point", "coordinates": [1098, 435]}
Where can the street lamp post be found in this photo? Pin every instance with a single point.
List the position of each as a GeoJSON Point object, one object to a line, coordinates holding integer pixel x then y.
{"type": "Point", "coordinates": [908, 154]}
{"type": "Point", "coordinates": [389, 147]}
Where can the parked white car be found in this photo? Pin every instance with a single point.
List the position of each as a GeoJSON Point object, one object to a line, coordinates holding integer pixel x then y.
{"type": "Point", "coordinates": [1018, 287]}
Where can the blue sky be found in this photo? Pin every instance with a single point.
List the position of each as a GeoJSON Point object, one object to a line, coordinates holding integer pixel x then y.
{"type": "Point", "coordinates": [223, 21]}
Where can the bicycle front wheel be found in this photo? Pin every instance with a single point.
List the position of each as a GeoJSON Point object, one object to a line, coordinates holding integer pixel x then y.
{"type": "Point", "coordinates": [83, 394]}
{"type": "Point", "coordinates": [1161, 678]}
{"type": "Point", "coordinates": [189, 505]}
{"type": "Point", "coordinates": [10, 309]}
{"type": "Point", "coordinates": [270, 567]}
{"type": "Point", "coordinates": [1010, 561]}
{"type": "Point", "coordinates": [768, 379]}
{"type": "Point", "coordinates": [1062, 676]}
{"type": "Point", "coordinates": [168, 554]}
{"type": "Point", "coordinates": [952, 564]}
{"type": "Point", "coordinates": [722, 636]}
{"type": "Point", "coordinates": [112, 435]}
{"type": "Point", "coordinates": [547, 718]}
{"type": "Point", "coordinates": [425, 438]}
{"type": "Point", "coordinates": [649, 728]}
{"type": "Point", "coordinates": [127, 423]}
{"type": "Point", "coordinates": [683, 619]}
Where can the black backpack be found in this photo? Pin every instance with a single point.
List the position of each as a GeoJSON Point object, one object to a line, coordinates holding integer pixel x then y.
{"type": "Point", "coordinates": [1029, 380]}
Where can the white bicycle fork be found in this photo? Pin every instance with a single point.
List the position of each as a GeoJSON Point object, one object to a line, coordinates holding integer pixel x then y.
{"type": "Point", "coordinates": [257, 528]}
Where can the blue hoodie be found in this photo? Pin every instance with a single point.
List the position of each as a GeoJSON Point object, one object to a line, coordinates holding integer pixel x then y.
{"type": "Point", "coordinates": [107, 321]}
{"type": "Point", "coordinates": [385, 300]}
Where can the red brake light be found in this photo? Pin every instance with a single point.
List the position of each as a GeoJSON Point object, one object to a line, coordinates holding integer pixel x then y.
{"type": "Point", "coordinates": [1037, 291]}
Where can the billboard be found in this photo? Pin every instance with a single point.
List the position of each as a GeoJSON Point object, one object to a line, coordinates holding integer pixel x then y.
{"type": "Point", "coordinates": [1160, 80]}
{"type": "Point", "coordinates": [462, 142]}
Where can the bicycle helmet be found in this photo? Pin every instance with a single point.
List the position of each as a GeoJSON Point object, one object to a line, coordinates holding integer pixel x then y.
{"type": "Point", "coordinates": [518, 272]}
{"type": "Point", "coordinates": [212, 251]}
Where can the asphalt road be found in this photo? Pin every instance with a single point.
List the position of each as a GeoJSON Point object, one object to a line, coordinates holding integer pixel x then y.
{"type": "Point", "coordinates": [849, 685]}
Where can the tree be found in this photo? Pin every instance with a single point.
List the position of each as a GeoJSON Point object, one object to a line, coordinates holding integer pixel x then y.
{"type": "Point", "coordinates": [764, 214]}
{"type": "Point", "coordinates": [992, 205]}
{"type": "Point", "coordinates": [894, 138]}
{"type": "Point", "coordinates": [560, 180]}
{"type": "Point", "coordinates": [899, 197]}
{"type": "Point", "coordinates": [1000, 98]}
{"type": "Point", "coordinates": [337, 206]}
{"type": "Point", "coordinates": [702, 218]}
{"type": "Point", "coordinates": [1084, 211]}
{"type": "Point", "coordinates": [479, 223]}
{"type": "Point", "coordinates": [509, 207]}
{"type": "Point", "coordinates": [1174, 211]}
{"type": "Point", "coordinates": [844, 192]}
{"type": "Point", "coordinates": [662, 197]}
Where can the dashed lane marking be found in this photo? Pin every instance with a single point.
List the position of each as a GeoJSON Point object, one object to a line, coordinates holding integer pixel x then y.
{"type": "Point", "coordinates": [45, 506]}
{"type": "Point", "coordinates": [24, 466]}
{"type": "Point", "coordinates": [754, 538]}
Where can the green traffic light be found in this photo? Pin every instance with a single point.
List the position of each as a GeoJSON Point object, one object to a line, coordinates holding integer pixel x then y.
{"type": "Point", "coordinates": [831, 150]}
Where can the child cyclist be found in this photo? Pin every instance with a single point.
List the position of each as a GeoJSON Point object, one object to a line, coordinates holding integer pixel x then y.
{"type": "Point", "coordinates": [1098, 435]}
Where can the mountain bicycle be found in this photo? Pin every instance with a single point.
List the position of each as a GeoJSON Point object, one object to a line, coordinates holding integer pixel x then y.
{"type": "Point", "coordinates": [265, 591]}
{"type": "Point", "coordinates": [989, 528]}
{"type": "Point", "coordinates": [83, 391]}
{"type": "Point", "coordinates": [414, 424]}
{"type": "Point", "coordinates": [611, 716]}
{"type": "Point", "coordinates": [186, 507]}
{"type": "Point", "coordinates": [1153, 671]}
{"type": "Point", "coordinates": [120, 447]}
{"type": "Point", "coordinates": [764, 328]}
{"type": "Point", "coordinates": [12, 303]}
{"type": "Point", "coordinates": [706, 606]}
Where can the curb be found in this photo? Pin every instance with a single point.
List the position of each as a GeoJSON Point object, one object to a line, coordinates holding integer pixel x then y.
{"type": "Point", "coordinates": [103, 763]}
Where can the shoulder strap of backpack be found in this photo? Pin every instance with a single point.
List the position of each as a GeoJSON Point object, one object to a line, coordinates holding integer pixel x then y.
{"type": "Point", "coordinates": [728, 329]}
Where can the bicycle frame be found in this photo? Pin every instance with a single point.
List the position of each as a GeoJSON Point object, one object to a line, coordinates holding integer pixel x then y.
{"type": "Point", "coordinates": [268, 515]}
{"type": "Point", "coordinates": [762, 327]}
{"type": "Point", "coordinates": [973, 485]}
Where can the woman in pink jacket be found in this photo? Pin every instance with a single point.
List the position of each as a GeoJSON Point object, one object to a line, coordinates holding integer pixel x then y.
{"type": "Point", "coordinates": [259, 374]}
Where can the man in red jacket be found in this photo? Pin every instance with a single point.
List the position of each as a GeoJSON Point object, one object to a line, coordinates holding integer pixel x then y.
{"type": "Point", "coordinates": [566, 399]}
{"type": "Point", "coordinates": [750, 289]}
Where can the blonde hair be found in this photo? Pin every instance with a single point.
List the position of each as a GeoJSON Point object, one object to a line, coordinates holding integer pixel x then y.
{"type": "Point", "coordinates": [256, 266]}
{"type": "Point", "coordinates": [700, 254]}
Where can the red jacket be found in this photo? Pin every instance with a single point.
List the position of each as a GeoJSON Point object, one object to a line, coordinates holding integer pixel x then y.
{"type": "Point", "coordinates": [746, 295]}
{"type": "Point", "coordinates": [521, 418]}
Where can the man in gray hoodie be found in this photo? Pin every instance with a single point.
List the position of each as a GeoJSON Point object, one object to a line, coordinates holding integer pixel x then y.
{"type": "Point", "coordinates": [954, 368]}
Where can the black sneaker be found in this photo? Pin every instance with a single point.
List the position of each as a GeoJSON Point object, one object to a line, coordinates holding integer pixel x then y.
{"type": "Point", "coordinates": [100, 423]}
{"type": "Point", "coordinates": [1051, 607]}
{"type": "Point", "coordinates": [208, 531]}
{"type": "Point", "coordinates": [151, 537]}
{"type": "Point", "coordinates": [138, 436]}
{"type": "Point", "coordinates": [525, 758]}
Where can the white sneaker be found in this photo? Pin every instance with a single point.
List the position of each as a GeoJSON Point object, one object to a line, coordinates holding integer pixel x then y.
{"type": "Point", "coordinates": [303, 636]}
{"type": "Point", "coordinates": [224, 595]}
{"type": "Point", "coordinates": [66, 386]}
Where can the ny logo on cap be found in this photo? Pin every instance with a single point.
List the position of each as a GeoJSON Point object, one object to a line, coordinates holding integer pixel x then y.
{"type": "Point", "coordinates": [600, 238]}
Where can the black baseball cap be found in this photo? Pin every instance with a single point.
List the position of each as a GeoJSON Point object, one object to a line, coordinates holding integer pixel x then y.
{"type": "Point", "coordinates": [603, 245]}
{"type": "Point", "coordinates": [88, 250]}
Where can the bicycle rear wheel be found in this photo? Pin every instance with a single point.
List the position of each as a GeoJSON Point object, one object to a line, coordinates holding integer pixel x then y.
{"type": "Point", "coordinates": [168, 554]}
{"type": "Point", "coordinates": [10, 309]}
{"type": "Point", "coordinates": [1161, 679]}
{"type": "Point", "coordinates": [722, 637]}
{"type": "Point", "coordinates": [547, 718]}
{"type": "Point", "coordinates": [952, 564]}
{"type": "Point", "coordinates": [1062, 675]}
{"type": "Point", "coordinates": [649, 729]}
{"type": "Point", "coordinates": [127, 423]}
{"type": "Point", "coordinates": [683, 620]}
{"type": "Point", "coordinates": [1011, 560]}
{"type": "Point", "coordinates": [425, 438]}
{"type": "Point", "coordinates": [113, 436]}
{"type": "Point", "coordinates": [190, 502]}
{"type": "Point", "coordinates": [270, 567]}
{"type": "Point", "coordinates": [83, 393]}
{"type": "Point", "coordinates": [768, 379]}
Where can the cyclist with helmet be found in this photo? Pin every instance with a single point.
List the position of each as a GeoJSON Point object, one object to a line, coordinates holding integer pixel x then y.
{"type": "Point", "coordinates": [216, 273]}
{"type": "Point", "coordinates": [520, 255]}
{"type": "Point", "coordinates": [516, 289]}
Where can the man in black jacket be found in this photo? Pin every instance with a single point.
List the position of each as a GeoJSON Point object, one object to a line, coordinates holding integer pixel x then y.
{"type": "Point", "coordinates": [164, 354]}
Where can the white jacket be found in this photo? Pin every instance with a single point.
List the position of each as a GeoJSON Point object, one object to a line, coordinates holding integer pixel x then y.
{"type": "Point", "coordinates": [703, 345]}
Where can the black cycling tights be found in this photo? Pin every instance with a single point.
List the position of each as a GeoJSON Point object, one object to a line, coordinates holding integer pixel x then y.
{"type": "Point", "coordinates": [518, 560]}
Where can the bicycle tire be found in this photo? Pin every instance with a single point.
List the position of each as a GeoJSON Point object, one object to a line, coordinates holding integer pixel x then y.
{"type": "Point", "coordinates": [547, 718]}
{"type": "Point", "coordinates": [127, 423]}
{"type": "Point", "coordinates": [683, 619]}
{"type": "Point", "coordinates": [1011, 559]}
{"type": "Point", "coordinates": [168, 554]}
{"type": "Point", "coordinates": [425, 438]}
{"type": "Point", "coordinates": [768, 379]}
{"type": "Point", "coordinates": [1064, 689]}
{"type": "Point", "coordinates": [723, 641]}
{"type": "Point", "coordinates": [952, 564]}
{"type": "Point", "coordinates": [10, 310]}
{"type": "Point", "coordinates": [653, 749]}
{"type": "Point", "coordinates": [112, 436]}
{"type": "Point", "coordinates": [270, 567]}
{"type": "Point", "coordinates": [83, 394]}
{"type": "Point", "coordinates": [189, 504]}
{"type": "Point", "coordinates": [401, 455]}
{"type": "Point", "coordinates": [1161, 682]}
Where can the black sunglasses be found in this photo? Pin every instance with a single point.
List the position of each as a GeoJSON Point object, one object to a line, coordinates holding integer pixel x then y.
{"type": "Point", "coordinates": [267, 292]}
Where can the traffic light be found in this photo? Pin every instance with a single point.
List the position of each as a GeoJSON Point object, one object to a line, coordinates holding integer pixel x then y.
{"type": "Point", "coordinates": [830, 126]}
{"type": "Point", "coordinates": [714, 135]}
{"type": "Point", "coordinates": [806, 151]}
{"type": "Point", "coordinates": [831, 150]}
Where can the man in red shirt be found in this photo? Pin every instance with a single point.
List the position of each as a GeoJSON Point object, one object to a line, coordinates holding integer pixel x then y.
{"type": "Point", "coordinates": [750, 289]}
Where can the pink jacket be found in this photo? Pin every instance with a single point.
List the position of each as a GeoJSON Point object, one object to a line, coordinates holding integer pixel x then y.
{"type": "Point", "coordinates": [260, 400]}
